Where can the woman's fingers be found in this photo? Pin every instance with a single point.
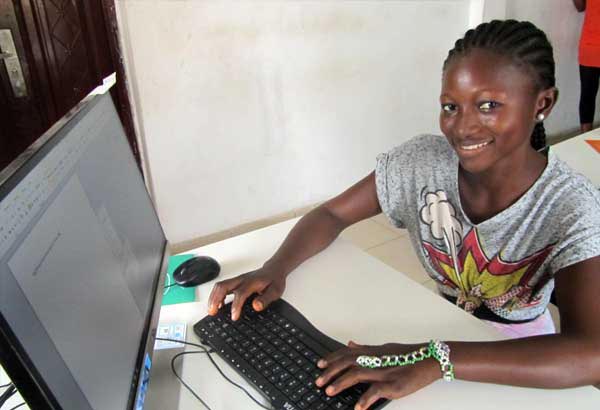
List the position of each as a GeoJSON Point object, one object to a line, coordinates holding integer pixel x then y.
{"type": "Point", "coordinates": [376, 391]}
{"type": "Point", "coordinates": [243, 292]}
{"type": "Point", "coordinates": [353, 349]}
{"type": "Point", "coordinates": [335, 356]}
{"type": "Point", "coordinates": [242, 287]}
{"type": "Point", "coordinates": [353, 376]}
{"type": "Point", "coordinates": [269, 295]}
{"type": "Point", "coordinates": [334, 366]}
{"type": "Point", "coordinates": [219, 291]}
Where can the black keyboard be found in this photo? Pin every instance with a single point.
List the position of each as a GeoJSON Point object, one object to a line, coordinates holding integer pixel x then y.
{"type": "Point", "coordinates": [277, 351]}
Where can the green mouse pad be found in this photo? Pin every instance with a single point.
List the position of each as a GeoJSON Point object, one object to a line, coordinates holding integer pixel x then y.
{"type": "Point", "coordinates": [177, 294]}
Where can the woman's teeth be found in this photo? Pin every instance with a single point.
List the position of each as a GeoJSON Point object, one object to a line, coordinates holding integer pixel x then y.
{"type": "Point", "coordinates": [473, 147]}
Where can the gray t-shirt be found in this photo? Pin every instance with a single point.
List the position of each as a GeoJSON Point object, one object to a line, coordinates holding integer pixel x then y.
{"type": "Point", "coordinates": [507, 262]}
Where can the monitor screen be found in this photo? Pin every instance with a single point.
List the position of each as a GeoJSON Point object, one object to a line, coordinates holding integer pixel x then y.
{"type": "Point", "coordinates": [81, 255]}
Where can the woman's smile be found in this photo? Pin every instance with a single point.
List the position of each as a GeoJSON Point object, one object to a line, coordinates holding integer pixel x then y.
{"type": "Point", "coordinates": [488, 112]}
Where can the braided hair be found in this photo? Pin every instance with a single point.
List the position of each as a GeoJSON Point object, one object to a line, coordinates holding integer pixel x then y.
{"type": "Point", "coordinates": [523, 43]}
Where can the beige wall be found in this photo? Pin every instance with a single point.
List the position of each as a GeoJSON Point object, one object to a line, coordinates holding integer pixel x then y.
{"type": "Point", "coordinates": [252, 109]}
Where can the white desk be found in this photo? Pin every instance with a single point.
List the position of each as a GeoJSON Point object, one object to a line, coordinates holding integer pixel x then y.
{"type": "Point", "coordinates": [580, 155]}
{"type": "Point", "coordinates": [366, 301]}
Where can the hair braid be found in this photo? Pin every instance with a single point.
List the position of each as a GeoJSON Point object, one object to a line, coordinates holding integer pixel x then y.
{"type": "Point", "coordinates": [538, 137]}
{"type": "Point", "coordinates": [523, 43]}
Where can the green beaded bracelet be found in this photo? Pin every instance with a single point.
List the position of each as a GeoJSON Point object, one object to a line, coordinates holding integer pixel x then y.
{"type": "Point", "coordinates": [440, 351]}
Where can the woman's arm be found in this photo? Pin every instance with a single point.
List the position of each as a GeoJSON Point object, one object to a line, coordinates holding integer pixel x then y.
{"type": "Point", "coordinates": [568, 359]}
{"type": "Point", "coordinates": [313, 233]}
{"type": "Point", "coordinates": [571, 358]}
{"type": "Point", "coordinates": [318, 228]}
{"type": "Point", "coordinates": [579, 5]}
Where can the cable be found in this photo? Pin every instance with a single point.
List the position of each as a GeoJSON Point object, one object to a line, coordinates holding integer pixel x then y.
{"type": "Point", "coordinates": [168, 286]}
{"type": "Point", "coordinates": [5, 385]}
{"type": "Point", "coordinates": [207, 352]}
{"type": "Point", "coordinates": [183, 382]}
{"type": "Point", "coordinates": [7, 394]}
{"type": "Point", "coordinates": [17, 406]}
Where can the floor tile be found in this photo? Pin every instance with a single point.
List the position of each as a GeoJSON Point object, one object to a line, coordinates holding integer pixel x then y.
{"type": "Point", "coordinates": [383, 220]}
{"type": "Point", "coordinates": [367, 234]}
{"type": "Point", "coordinates": [399, 254]}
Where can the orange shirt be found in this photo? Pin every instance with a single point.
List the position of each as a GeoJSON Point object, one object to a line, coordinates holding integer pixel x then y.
{"type": "Point", "coordinates": [589, 43]}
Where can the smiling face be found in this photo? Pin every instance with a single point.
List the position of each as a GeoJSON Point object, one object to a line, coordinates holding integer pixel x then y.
{"type": "Point", "coordinates": [489, 108]}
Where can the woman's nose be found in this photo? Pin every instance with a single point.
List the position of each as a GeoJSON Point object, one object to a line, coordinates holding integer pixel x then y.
{"type": "Point", "coordinates": [467, 123]}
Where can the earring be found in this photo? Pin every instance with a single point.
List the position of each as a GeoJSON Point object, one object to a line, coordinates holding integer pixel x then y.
{"type": "Point", "coordinates": [540, 117]}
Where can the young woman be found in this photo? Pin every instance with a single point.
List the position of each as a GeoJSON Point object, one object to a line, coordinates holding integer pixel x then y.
{"type": "Point", "coordinates": [496, 221]}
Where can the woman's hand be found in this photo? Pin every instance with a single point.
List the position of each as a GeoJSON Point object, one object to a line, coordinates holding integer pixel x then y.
{"type": "Point", "coordinates": [268, 283]}
{"type": "Point", "coordinates": [341, 372]}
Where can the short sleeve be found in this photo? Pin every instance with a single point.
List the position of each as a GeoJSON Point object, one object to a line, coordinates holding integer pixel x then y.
{"type": "Point", "coordinates": [383, 180]}
{"type": "Point", "coordinates": [581, 235]}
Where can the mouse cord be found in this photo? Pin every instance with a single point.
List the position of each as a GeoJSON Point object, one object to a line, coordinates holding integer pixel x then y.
{"type": "Point", "coordinates": [168, 286]}
{"type": "Point", "coordinates": [207, 352]}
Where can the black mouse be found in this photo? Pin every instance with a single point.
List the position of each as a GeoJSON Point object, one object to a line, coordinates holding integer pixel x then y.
{"type": "Point", "coordinates": [195, 271]}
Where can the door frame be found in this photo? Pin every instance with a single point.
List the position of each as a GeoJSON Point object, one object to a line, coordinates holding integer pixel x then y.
{"type": "Point", "coordinates": [30, 14]}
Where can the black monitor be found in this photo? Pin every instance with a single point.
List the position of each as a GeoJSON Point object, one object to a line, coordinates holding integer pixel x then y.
{"type": "Point", "coordinates": [82, 265]}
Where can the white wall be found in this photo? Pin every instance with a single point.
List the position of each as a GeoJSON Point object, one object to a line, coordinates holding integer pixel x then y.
{"type": "Point", "coordinates": [250, 109]}
{"type": "Point", "coordinates": [562, 24]}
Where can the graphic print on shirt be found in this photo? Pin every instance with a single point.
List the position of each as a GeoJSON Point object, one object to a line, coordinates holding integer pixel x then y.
{"type": "Point", "coordinates": [462, 262]}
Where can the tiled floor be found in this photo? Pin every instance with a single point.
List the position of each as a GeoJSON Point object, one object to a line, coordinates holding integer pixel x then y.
{"type": "Point", "coordinates": [392, 246]}
{"type": "Point", "coordinates": [389, 244]}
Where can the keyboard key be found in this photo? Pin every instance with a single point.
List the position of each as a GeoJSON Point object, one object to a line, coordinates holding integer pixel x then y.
{"type": "Point", "coordinates": [338, 405]}
{"type": "Point", "coordinates": [292, 384]}
{"type": "Point", "coordinates": [283, 376]}
{"type": "Point", "coordinates": [310, 397]}
{"type": "Point", "coordinates": [318, 406]}
{"type": "Point", "coordinates": [347, 396]}
{"type": "Point", "coordinates": [302, 404]}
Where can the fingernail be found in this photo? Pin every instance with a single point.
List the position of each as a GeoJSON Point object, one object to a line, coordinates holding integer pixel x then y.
{"type": "Point", "coordinates": [259, 305]}
{"type": "Point", "coordinates": [329, 390]}
{"type": "Point", "coordinates": [322, 363]}
{"type": "Point", "coordinates": [319, 381]}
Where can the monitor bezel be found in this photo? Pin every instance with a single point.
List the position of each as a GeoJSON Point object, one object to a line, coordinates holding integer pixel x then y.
{"type": "Point", "coordinates": [13, 358]}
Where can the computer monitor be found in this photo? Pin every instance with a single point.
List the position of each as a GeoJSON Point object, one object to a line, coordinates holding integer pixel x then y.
{"type": "Point", "coordinates": [82, 265]}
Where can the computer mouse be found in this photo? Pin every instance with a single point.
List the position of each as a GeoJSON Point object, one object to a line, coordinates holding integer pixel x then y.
{"type": "Point", "coordinates": [195, 271]}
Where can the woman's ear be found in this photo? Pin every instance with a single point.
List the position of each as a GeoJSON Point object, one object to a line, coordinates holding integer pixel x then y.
{"type": "Point", "coordinates": [546, 99]}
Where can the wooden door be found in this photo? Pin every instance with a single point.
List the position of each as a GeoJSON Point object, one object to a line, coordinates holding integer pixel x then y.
{"type": "Point", "coordinates": [22, 118]}
{"type": "Point", "coordinates": [65, 49]}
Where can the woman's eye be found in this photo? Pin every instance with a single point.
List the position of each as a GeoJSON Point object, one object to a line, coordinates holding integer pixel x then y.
{"type": "Point", "coordinates": [488, 106]}
{"type": "Point", "coordinates": [448, 108]}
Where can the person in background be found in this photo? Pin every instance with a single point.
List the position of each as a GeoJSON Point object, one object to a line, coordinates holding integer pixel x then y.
{"type": "Point", "coordinates": [589, 61]}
